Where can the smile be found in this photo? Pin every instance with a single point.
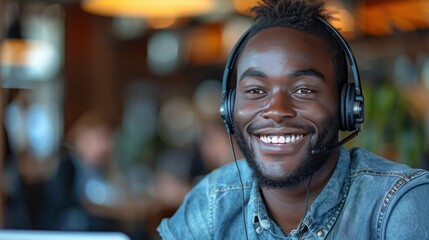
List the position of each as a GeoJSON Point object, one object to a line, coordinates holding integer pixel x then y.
{"type": "Point", "coordinates": [280, 139]}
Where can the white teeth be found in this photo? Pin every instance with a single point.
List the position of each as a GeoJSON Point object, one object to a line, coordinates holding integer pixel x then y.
{"type": "Point", "coordinates": [281, 139]}
{"type": "Point", "coordinates": [275, 139]}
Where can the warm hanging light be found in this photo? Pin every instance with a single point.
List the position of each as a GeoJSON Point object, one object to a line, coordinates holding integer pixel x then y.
{"type": "Point", "coordinates": [27, 57]}
{"type": "Point", "coordinates": [18, 52]}
{"type": "Point", "coordinates": [148, 8]}
{"type": "Point", "coordinates": [14, 48]}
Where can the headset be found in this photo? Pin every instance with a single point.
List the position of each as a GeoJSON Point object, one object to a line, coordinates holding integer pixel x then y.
{"type": "Point", "coordinates": [351, 97]}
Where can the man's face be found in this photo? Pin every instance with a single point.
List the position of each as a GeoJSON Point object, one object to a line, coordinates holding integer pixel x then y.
{"type": "Point", "coordinates": [286, 105]}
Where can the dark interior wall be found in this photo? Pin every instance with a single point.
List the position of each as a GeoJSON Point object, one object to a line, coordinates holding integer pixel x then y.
{"type": "Point", "coordinates": [90, 74]}
{"type": "Point", "coordinates": [98, 66]}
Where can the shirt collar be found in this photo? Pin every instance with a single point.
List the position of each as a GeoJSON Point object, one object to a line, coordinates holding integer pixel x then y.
{"type": "Point", "coordinates": [326, 208]}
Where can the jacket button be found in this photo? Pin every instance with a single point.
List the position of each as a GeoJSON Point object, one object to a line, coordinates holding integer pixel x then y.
{"type": "Point", "coordinates": [265, 224]}
{"type": "Point", "coordinates": [320, 233]}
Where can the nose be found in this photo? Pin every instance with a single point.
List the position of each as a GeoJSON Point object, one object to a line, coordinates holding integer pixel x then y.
{"type": "Point", "coordinates": [279, 107]}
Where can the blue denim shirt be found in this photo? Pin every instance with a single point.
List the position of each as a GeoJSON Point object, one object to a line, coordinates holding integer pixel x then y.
{"type": "Point", "coordinates": [367, 197]}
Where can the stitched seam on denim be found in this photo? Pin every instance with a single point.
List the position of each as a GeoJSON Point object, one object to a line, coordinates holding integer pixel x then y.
{"type": "Point", "coordinates": [386, 202]}
{"type": "Point", "coordinates": [255, 217]}
{"type": "Point", "coordinates": [261, 216]}
{"type": "Point", "coordinates": [334, 216]}
{"type": "Point", "coordinates": [372, 172]}
{"type": "Point", "coordinates": [231, 187]}
{"type": "Point", "coordinates": [211, 206]}
{"type": "Point", "coordinates": [340, 206]}
{"type": "Point", "coordinates": [213, 193]}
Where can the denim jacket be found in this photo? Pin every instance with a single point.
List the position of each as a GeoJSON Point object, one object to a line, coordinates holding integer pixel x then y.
{"type": "Point", "coordinates": [367, 197]}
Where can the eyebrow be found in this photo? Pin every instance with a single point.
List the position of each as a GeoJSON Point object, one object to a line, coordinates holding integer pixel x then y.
{"type": "Point", "coordinates": [307, 72]}
{"type": "Point", "coordinates": [252, 73]}
{"type": "Point", "coordinates": [298, 73]}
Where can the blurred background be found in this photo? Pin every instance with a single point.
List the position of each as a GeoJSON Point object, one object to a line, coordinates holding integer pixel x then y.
{"type": "Point", "coordinates": [110, 107]}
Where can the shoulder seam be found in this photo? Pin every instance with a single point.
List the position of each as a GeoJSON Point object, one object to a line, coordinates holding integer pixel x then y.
{"type": "Point", "coordinates": [404, 178]}
{"type": "Point", "coordinates": [399, 174]}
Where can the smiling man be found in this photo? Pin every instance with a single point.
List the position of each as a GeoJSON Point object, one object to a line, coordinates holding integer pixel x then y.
{"type": "Point", "coordinates": [285, 106]}
{"type": "Point", "coordinates": [286, 97]}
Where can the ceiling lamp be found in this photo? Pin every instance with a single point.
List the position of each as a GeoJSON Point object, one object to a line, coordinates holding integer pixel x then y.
{"type": "Point", "coordinates": [148, 8]}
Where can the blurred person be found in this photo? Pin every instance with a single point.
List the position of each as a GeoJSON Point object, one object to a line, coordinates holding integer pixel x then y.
{"type": "Point", "coordinates": [286, 98]}
{"type": "Point", "coordinates": [100, 185]}
{"type": "Point", "coordinates": [38, 182]}
{"type": "Point", "coordinates": [90, 143]}
{"type": "Point", "coordinates": [178, 170]}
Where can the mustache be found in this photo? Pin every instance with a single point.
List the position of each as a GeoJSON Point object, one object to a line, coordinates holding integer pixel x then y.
{"type": "Point", "coordinates": [258, 125]}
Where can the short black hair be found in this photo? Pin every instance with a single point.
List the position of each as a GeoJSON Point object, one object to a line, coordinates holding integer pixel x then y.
{"type": "Point", "coordinates": [304, 16]}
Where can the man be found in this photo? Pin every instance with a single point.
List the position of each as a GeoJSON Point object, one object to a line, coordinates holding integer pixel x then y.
{"type": "Point", "coordinates": [297, 183]}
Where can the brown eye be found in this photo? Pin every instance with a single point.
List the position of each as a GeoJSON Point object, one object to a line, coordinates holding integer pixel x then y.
{"type": "Point", "coordinates": [304, 91]}
{"type": "Point", "coordinates": [256, 91]}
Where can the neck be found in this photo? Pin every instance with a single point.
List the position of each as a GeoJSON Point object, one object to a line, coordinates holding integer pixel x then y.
{"type": "Point", "coordinates": [295, 201]}
{"type": "Point", "coordinates": [287, 206]}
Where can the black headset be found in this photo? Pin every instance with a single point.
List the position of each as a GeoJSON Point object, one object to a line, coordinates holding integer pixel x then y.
{"type": "Point", "coordinates": [351, 97]}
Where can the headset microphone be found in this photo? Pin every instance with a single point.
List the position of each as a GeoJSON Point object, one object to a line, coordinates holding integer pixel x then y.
{"type": "Point", "coordinates": [329, 148]}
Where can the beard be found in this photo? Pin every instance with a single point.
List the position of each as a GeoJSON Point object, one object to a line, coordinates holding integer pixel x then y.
{"type": "Point", "coordinates": [309, 164]}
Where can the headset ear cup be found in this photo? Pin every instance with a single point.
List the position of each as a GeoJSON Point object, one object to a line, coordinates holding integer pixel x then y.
{"type": "Point", "coordinates": [230, 110]}
{"type": "Point", "coordinates": [227, 109]}
{"type": "Point", "coordinates": [347, 100]}
{"type": "Point", "coordinates": [342, 107]}
{"type": "Point", "coordinates": [223, 111]}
